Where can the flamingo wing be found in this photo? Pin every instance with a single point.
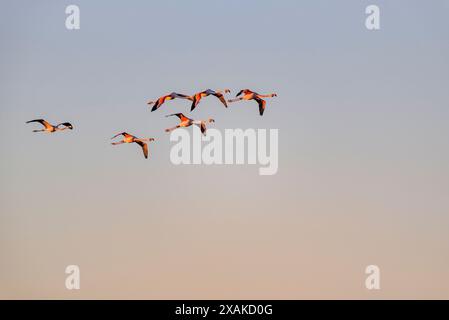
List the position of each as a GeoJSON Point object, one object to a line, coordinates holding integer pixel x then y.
{"type": "Point", "coordinates": [158, 103]}
{"type": "Point", "coordinates": [262, 104]}
{"type": "Point", "coordinates": [244, 91]}
{"type": "Point", "coordinates": [122, 134]}
{"type": "Point", "coordinates": [180, 95]}
{"type": "Point", "coordinates": [144, 146]}
{"type": "Point", "coordinates": [181, 116]}
{"type": "Point", "coordinates": [196, 99]}
{"type": "Point", "coordinates": [43, 122]}
{"type": "Point", "coordinates": [203, 128]}
{"type": "Point", "coordinates": [66, 124]}
{"type": "Point", "coordinates": [221, 98]}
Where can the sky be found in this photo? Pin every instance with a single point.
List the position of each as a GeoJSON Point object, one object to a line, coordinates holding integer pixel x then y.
{"type": "Point", "coordinates": [363, 173]}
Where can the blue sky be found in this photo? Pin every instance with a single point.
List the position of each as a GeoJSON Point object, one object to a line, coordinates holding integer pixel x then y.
{"type": "Point", "coordinates": [363, 151]}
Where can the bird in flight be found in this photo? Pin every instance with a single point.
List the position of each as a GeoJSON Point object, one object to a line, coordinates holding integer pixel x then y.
{"type": "Point", "coordinates": [251, 95]}
{"type": "Point", "coordinates": [51, 128]}
{"type": "Point", "coordinates": [187, 122]}
{"type": "Point", "coordinates": [219, 94]}
{"type": "Point", "coordinates": [128, 138]}
{"type": "Point", "coordinates": [158, 103]}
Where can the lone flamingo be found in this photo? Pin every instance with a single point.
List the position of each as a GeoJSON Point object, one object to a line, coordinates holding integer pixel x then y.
{"type": "Point", "coordinates": [158, 103]}
{"type": "Point", "coordinates": [187, 122]}
{"type": "Point", "coordinates": [219, 94]}
{"type": "Point", "coordinates": [51, 128]}
{"type": "Point", "coordinates": [128, 138]}
{"type": "Point", "coordinates": [251, 95]}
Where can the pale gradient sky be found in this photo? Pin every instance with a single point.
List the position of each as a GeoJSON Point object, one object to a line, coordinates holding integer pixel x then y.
{"type": "Point", "coordinates": [363, 152]}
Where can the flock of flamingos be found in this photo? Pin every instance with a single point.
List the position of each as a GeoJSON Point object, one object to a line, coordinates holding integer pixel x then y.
{"type": "Point", "coordinates": [244, 94]}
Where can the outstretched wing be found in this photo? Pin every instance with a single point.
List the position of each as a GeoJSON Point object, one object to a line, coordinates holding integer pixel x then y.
{"type": "Point", "coordinates": [43, 122]}
{"type": "Point", "coordinates": [158, 103]}
{"type": "Point", "coordinates": [221, 98]}
{"type": "Point", "coordinates": [261, 103]}
{"type": "Point", "coordinates": [203, 128]}
{"type": "Point", "coordinates": [121, 134]}
{"type": "Point", "coordinates": [66, 124]}
{"type": "Point", "coordinates": [180, 116]}
{"type": "Point", "coordinates": [244, 91]}
{"type": "Point", "coordinates": [180, 95]}
{"type": "Point", "coordinates": [196, 99]}
{"type": "Point", "coordinates": [170, 96]}
{"type": "Point", "coordinates": [144, 147]}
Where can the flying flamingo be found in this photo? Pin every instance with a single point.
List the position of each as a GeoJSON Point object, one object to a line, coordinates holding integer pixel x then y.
{"type": "Point", "coordinates": [157, 103]}
{"type": "Point", "coordinates": [251, 95]}
{"type": "Point", "coordinates": [51, 128]}
{"type": "Point", "coordinates": [187, 122]}
{"type": "Point", "coordinates": [219, 94]}
{"type": "Point", "coordinates": [128, 138]}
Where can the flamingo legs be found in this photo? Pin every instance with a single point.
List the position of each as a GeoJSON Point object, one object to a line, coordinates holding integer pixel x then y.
{"type": "Point", "coordinates": [236, 99]}
{"type": "Point", "coordinates": [171, 129]}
